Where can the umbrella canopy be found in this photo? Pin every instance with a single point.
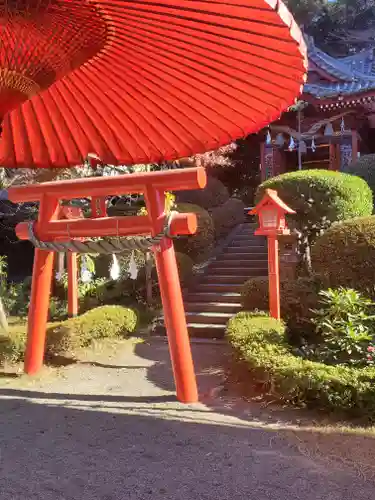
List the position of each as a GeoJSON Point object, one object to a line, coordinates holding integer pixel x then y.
{"type": "Point", "coordinates": [141, 81]}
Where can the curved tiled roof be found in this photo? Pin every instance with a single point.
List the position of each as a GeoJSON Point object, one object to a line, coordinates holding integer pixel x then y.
{"type": "Point", "coordinates": [354, 74]}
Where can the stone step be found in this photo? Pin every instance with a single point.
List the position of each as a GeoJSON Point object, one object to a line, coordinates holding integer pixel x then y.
{"type": "Point", "coordinates": [247, 242]}
{"type": "Point", "coordinates": [219, 287]}
{"type": "Point", "coordinates": [198, 330]}
{"type": "Point", "coordinates": [248, 233]}
{"type": "Point", "coordinates": [246, 272]}
{"type": "Point", "coordinates": [212, 318]}
{"type": "Point", "coordinates": [243, 257]}
{"type": "Point", "coordinates": [209, 330]}
{"type": "Point", "coordinates": [207, 297]}
{"type": "Point", "coordinates": [246, 249]}
{"type": "Point", "coordinates": [233, 278]}
{"type": "Point", "coordinates": [235, 263]}
{"type": "Point", "coordinates": [225, 307]}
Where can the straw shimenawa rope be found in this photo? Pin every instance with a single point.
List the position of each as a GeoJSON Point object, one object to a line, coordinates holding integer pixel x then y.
{"type": "Point", "coordinates": [113, 246]}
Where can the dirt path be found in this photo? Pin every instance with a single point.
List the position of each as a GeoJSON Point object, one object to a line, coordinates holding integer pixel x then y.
{"type": "Point", "coordinates": [109, 428]}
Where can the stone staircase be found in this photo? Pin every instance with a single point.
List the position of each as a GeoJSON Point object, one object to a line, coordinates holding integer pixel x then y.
{"type": "Point", "coordinates": [216, 297]}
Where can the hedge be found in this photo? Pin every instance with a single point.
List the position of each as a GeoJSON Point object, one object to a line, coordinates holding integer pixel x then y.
{"type": "Point", "coordinates": [68, 336]}
{"type": "Point", "coordinates": [13, 344]}
{"type": "Point", "coordinates": [102, 322]}
{"type": "Point", "coordinates": [227, 216]}
{"type": "Point", "coordinates": [364, 167]}
{"type": "Point", "coordinates": [345, 255]}
{"type": "Point", "coordinates": [260, 342]}
{"type": "Point", "coordinates": [213, 195]}
{"type": "Point", "coordinates": [298, 298]}
{"type": "Point", "coordinates": [199, 245]}
{"type": "Point", "coordinates": [335, 196]}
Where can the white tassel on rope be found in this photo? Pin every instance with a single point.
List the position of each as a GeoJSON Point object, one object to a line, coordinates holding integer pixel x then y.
{"type": "Point", "coordinates": [115, 271]}
{"type": "Point", "coordinates": [133, 270]}
{"type": "Point", "coordinates": [3, 318]}
{"type": "Point", "coordinates": [86, 276]}
{"type": "Point", "coordinates": [268, 138]}
{"type": "Point", "coordinates": [342, 126]}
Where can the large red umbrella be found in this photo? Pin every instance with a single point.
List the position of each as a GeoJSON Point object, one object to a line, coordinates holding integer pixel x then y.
{"type": "Point", "coordinates": [141, 81]}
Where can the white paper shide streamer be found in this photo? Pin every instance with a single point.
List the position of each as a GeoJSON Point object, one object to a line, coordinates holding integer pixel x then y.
{"type": "Point", "coordinates": [115, 271]}
{"type": "Point", "coordinates": [133, 270]}
{"type": "Point", "coordinates": [86, 276]}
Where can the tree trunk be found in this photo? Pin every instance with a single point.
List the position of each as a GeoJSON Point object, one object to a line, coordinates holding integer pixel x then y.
{"type": "Point", "coordinates": [304, 266]}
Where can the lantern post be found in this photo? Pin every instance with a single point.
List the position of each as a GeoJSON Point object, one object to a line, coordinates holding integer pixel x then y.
{"type": "Point", "coordinates": [271, 211]}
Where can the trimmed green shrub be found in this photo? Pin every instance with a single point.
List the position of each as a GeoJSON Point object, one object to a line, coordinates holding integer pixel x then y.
{"type": "Point", "coordinates": [254, 294]}
{"type": "Point", "coordinates": [199, 245]}
{"type": "Point", "coordinates": [345, 322]}
{"type": "Point", "coordinates": [297, 299]}
{"type": "Point", "coordinates": [185, 266]}
{"type": "Point", "coordinates": [13, 344]}
{"type": "Point", "coordinates": [260, 342]}
{"type": "Point", "coordinates": [364, 167]}
{"type": "Point", "coordinates": [227, 216]}
{"type": "Point", "coordinates": [334, 195]}
{"type": "Point", "coordinates": [102, 322]}
{"type": "Point", "coordinates": [345, 255]}
{"type": "Point", "coordinates": [319, 197]}
{"type": "Point", "coordinates": [213, 195]}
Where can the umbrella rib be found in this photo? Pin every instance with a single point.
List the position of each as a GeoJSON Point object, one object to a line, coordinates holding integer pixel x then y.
{"type": "Point", "coordinates": [152, 62]}
{"type": "Point", "coordinates": [146, 75]}
{"type": "Point", "coordinates": [198, 43]}
{"type": "Point", "coordinates": [76, 76]}
{"type": "Point", "coordinates": [219, 74]}
{"type": "Point", "coordinates": [229, 29]}
{"type": "Point", "coordinates": [139, 111]}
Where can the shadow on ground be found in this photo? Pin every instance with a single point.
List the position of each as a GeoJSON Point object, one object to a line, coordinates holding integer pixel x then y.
{"type": "Point", "coordinates": [71, 451]}
{"type": "Point", "coordinates": [108, 427]}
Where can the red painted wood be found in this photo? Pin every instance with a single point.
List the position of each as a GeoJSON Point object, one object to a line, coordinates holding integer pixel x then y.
{"type": "Point", "coordinates": [274, 276]}
{"type": "Point", "coordinates": [169, 180]}
{"type": "Point", "coordinates": [72, 284]}
{"type": "Point", "coordinates": [173, 306]}
{"type": "Point", "coordinates": [182, 224]}
{"type": "Point", "coordinates": [143, 81]}
{"type": "Point", "coordinates": [40, 294]}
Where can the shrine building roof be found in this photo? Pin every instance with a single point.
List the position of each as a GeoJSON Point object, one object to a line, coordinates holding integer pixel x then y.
{"type": "Point", "coordinates": [347, 81]}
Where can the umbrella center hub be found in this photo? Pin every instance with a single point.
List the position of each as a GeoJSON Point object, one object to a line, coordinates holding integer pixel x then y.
{"type": "Point", "coordinates": [42, 41]}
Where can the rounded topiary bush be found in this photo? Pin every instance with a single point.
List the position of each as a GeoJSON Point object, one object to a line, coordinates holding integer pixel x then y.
{"type": "Point", "coordinates": [254, 294]}
{"type": "Point", "coordinates": [213, 195]}
{"type": "Point", "coordinates": [364, 167]}
{"type": "Point", "coordinates": [102, 322]}
{"type": "Point", "coordinates": [227, 216]}
{"type": "Point", "coordinates": [199, 245]}
{"type": "Point", "coordinates": [13, 344]}
{"type": "Point", "coordinates": [185, 266]}
{"type": "Point", "coordinates": [297, 300]}
{"type": "Point", "coordinates": [318, 195]}
{"type": "Point", "coordinates": [261, 343]}
{"type": "Point", "coordinates": [345, 255]}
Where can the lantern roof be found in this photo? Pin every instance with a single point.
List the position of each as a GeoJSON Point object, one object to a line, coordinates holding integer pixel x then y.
{"type": "Point", "coordinates": [141, 81]}
{"type": "Point", "coordinates": [271, 197]}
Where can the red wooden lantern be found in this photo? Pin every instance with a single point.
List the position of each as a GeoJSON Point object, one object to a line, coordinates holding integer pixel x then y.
{"type": "Point", "coordinates": [271, 211]}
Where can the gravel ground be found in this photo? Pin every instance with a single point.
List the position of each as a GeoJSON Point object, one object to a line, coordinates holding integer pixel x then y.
{"type": "Point", "coordinates": [109, 428]}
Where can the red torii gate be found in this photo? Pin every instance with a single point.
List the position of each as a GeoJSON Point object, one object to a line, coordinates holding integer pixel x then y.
{"type": "Point", "coordinates": [49, 228]}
